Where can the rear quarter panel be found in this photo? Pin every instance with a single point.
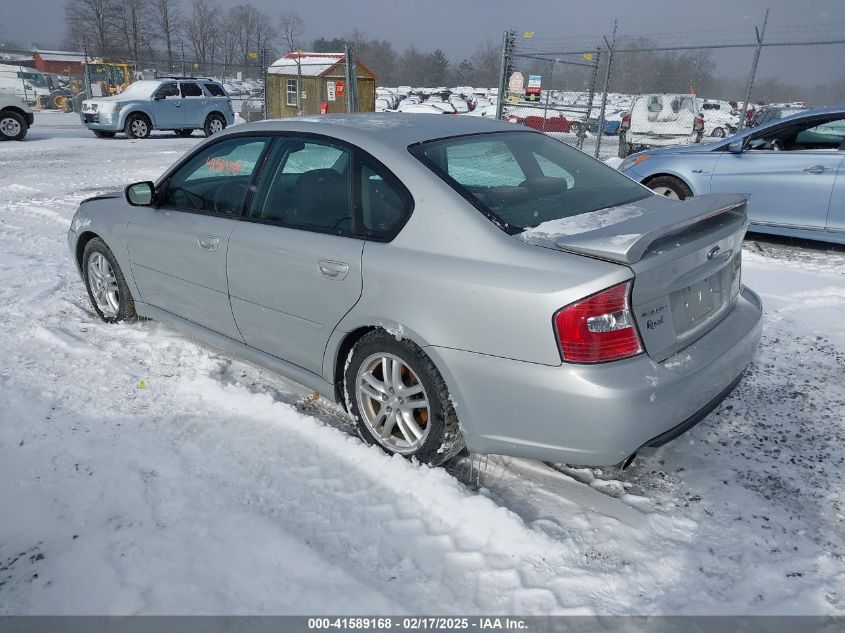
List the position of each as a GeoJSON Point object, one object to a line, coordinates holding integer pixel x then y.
{"type": "Point", "coordinates": [451, 278]}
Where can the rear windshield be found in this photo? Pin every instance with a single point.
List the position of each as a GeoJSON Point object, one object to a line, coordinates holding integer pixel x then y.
{"type": "Point", "coordinates": [520, 180]}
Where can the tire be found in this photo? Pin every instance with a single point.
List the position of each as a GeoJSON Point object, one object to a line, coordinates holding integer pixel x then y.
{"type": "Point", "coordinates": [670, 187]}
{"type": "Point", "coordinates": [116, 303]}
{"type": "Point", "coordinates": [13, 126]}
{"type": "Point", "coordinates": [214, 123]}
{"type": "Point", "coordinates": [440, 438]}
{"type": "Point", "coordinates": [138, 126]}
{"type": "Point", "coordinates": [183, 133]}
{"type": "Point", "coordinates": [718, 132]}
{"type": "Point", "coordinates": [103, 134]}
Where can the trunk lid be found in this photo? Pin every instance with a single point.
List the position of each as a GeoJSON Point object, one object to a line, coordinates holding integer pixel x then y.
{"type": "Point", "coordinates": [686, 258]}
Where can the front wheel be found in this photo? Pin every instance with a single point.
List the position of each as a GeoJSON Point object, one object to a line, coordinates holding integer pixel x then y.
{"type": "Point", "coordinates": [137, 126]}
{"type": "Point", "coordinates": [13, 126]}
{"type": "Point", "coordinates": [106, 284]}
{"type": "Point", "coordinates": [670, 187]}
{"type": "Point", "coordinates": [400, 401]}
{"type": "Point", "coordinates": [214, 124]}
{"type": "Point", "coordinates": [718, 133]}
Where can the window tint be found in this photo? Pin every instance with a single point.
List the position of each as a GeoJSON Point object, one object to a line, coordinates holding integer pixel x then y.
{"type": "Point", "coordinates": [215, 90]}
{"type": "Point", "coordinates": [522, 179]}
{"type": "Point", "coordinates": [382, 205]}
{"type": "Point", "coordinates": [167, 91]}
{"type": "Point", "coordinates": [216, 179]}
{"type": "Point", "coordinates": [307, 187]}
{"type": "Point", "coordinates": [191, 90]}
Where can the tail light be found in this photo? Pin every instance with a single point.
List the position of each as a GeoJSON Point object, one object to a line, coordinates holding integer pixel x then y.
{"type": "Point", "coordinates": [599, 328]}
{"type": "Point", "coordinates": [698, 126]}
{"type": "Point", "coordinates": [625, 125]}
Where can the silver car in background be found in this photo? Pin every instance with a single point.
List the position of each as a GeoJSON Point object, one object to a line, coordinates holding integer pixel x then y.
{"type": "Point", "coordinates": [794, 169]}
{"type": "Point", "coordinates": [450, 281]}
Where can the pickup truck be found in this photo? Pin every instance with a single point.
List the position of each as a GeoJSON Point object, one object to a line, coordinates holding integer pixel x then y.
{"type": "Point", "coordinates": [658, 120]}
{"type": "Point", "coordinates": [15, 117]}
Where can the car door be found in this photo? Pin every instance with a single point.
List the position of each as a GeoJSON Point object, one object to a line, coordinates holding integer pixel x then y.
{"type": "Point", "coordinates": [295, 263]}
{"type": "Point", "coordinates": [167, 107]}
{"type": "Point", "coordinates": [788, 169]}
{"type": "Point", "coordinates": [194, 104]}
{"type": "Point", "coordinates": [178, 249]}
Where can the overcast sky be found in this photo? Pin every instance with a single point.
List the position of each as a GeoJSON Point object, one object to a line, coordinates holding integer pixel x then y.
{"type": "Point", "coordinates": [457, 26]}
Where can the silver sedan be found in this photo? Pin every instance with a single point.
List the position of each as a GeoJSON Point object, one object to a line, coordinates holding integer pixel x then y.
{"type": "Point", "coordinates": [451, 281]}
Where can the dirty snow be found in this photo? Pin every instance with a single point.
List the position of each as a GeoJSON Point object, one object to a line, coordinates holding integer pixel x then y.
{"type": "Point", "coordinates": [145, 473]}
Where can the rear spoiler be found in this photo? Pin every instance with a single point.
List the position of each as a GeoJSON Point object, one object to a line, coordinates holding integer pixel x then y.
{"type": "Point", "coordinates": [627, 241]}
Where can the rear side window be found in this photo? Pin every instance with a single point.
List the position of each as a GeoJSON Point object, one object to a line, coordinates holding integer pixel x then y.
{"type": "Point", "coordinates": [383, 205]}
{"type": "Point", "coordinates": [520, 180]}
{"type": "Point", "coordinates": [191, 90]}
{"type": "Point", "coordinates": [307, 187]}
{"type": "Point", "coordinates": [215, 90]}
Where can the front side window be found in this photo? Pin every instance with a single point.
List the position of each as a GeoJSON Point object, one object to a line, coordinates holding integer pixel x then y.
{"type": "Point", "coordinates": [217, 178]}
{"type": "Point", "coordinates": [168, 91]}
{"type": "Point", "coordinates": [814, 134]}
{"type": "Point", "coordinates": [307, 186]}
{"type": "Point", "coordinates": [291, 92]}
{"type": "Point", "coordinates": [521, 179]}
{"type": "Point", "coordinates": [191, 90]}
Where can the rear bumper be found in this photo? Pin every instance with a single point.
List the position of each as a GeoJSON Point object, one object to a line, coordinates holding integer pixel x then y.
{"type": "Point", "coordinates": [598, 414]}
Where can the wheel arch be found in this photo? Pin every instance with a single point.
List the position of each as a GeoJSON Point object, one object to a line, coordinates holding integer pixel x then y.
{"type": "Point", "coordinates": [137, 110]}
{"type": "Point", "coordinates": [81, 243]}
{"type": "Point", "coordinates": [14, 109]}
{"type": "Point", "coordinates": [670, 174]}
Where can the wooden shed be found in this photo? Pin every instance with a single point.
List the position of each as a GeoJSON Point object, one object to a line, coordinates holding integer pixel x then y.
{"type": "Point", "coordinates": [323, 81]}
{"type": "Point", "coordinates": [59, 62]}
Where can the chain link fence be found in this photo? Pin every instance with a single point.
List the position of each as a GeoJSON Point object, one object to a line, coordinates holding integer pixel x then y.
{"type": "Point", "coordinates": [611, 96]}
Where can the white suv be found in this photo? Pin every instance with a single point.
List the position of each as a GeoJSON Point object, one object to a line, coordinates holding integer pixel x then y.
{"type": "Point", "coordinates": [15, 117]}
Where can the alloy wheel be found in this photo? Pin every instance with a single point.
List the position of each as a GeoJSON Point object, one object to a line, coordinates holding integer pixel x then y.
{"type": "Point", "coordinates": [667, 192]}
{"type": "Point", "coordinates": [103, 284]}
{"type": "Point", "coordinates": [393, 403]}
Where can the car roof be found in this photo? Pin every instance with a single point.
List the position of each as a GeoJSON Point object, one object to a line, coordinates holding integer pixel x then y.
{"type": "Point", "coordinates": [387, 129]}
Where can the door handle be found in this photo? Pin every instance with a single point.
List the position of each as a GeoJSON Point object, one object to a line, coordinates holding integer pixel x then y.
{"type": "Point", "coordinates": [208, 242]}
{"type": "Point", "coordinates": [815, 169]}
{"type": "Point", "coordinates": [333, 270]}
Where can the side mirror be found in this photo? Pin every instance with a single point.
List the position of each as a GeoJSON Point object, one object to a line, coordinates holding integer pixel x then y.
{"type": "Point", "coordinates": [736, 146]}
{"type": "Point", "coordinates": [158, 97]}
{"type": "Point", "coordinates": [140, 194]}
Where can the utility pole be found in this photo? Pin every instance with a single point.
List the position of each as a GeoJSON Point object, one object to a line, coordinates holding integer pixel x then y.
{"type": "Point", "coordinates": [610, 46]}
{"type": "Point", "coordinates": [508, 41]}
{"type": "Point", "coordinates": [760, 33]}
{"type": "Point", "coordinates": [548, 93]}
{"type": "Point", "coordinates": [183, 58]}
{"type": "Point", "coordinates": [299, 83]}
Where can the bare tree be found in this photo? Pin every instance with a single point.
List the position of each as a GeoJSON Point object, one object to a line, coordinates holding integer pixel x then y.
{"type": "Point", "coordinates": [134, 26]}
{"type": "Point", "coordinates": [292, 28]}
{"type": "Point", "coordinates": [201, 27]}
{"type": "Point", "coordinates": [91, 22]}
{"type": "Point", "coordinates": [165, 15]}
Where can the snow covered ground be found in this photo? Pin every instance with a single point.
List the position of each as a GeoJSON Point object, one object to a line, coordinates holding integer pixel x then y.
{"type": "Point", "coordinates": [145, 473]}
